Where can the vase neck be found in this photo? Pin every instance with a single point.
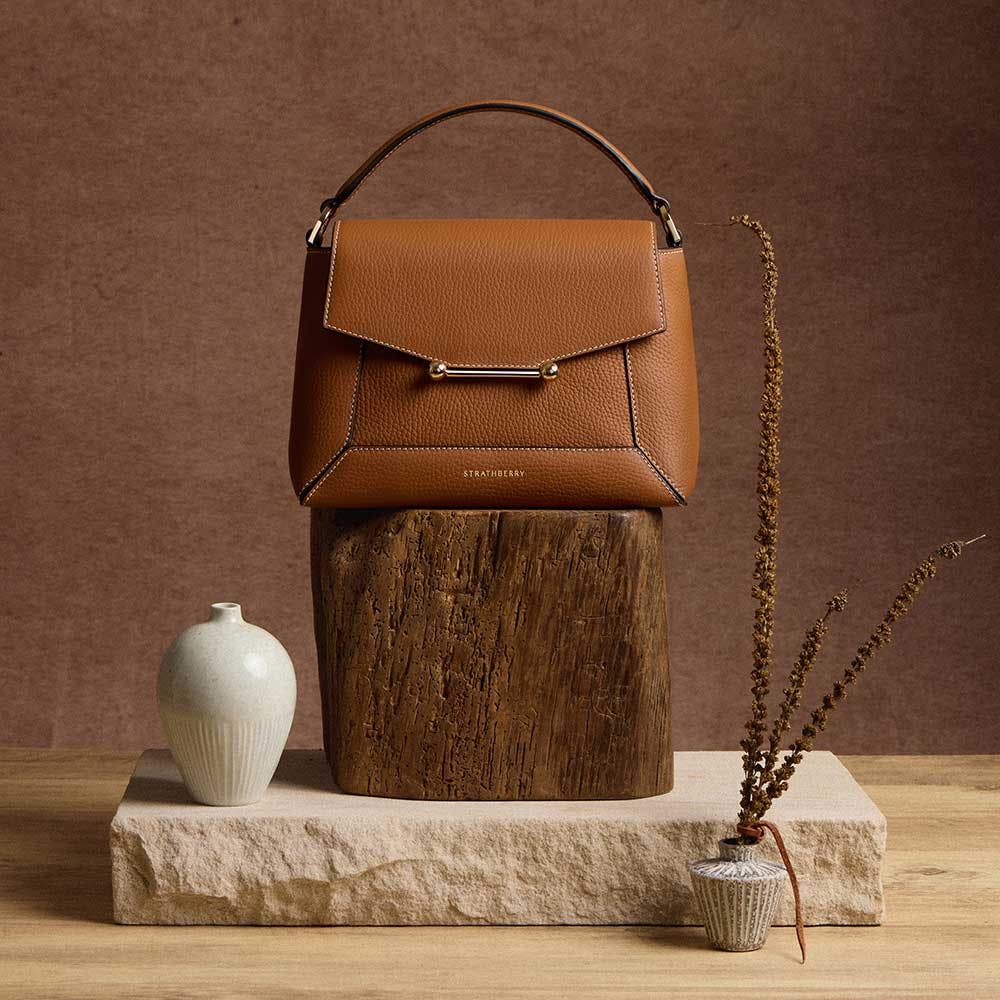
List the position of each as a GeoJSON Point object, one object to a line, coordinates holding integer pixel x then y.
{"type": "Point", "coordinates": [226, 613]}
{"type": "Point", "coordinates": [732, 850]}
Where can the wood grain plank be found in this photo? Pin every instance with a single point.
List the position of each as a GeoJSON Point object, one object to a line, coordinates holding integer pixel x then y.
{"type": "Point", "coordinates": [56, 940]}
{"type": "Point", "coordinates": [418, 963]}
{"type": "Point", "coordinates": [980, 771]}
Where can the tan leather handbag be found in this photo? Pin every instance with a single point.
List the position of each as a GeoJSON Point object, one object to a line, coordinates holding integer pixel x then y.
{"type": "Point", "coordinates": [494, 362]}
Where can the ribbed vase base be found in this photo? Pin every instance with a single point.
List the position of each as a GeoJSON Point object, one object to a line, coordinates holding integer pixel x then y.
{"type": "Point", "coordinates": [737, 895]}
{"type": "Point", "coordinates": [226, 763]}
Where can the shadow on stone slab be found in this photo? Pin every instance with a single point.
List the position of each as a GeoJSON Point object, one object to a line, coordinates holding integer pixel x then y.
{"type": "Point", "coordinates": [157, 781]}
{"type": "Point", "coordinates": [159, 790]}
{"type": "Point", "coordinates": [305, 769]}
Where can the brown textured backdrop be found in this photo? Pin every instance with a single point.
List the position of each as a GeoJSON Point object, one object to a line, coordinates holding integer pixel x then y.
{"type": "Point", "coordinates": [160, 163]}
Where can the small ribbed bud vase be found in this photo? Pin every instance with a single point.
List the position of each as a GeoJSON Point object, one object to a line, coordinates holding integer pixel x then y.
{"type": "Point", "coordinates": [226, 692]}
{"type": "Point", "coordinates": [738, 894]}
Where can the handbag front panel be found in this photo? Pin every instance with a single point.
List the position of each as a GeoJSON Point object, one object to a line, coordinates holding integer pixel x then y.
{"type": "Point", "coordinates": [617, 428]}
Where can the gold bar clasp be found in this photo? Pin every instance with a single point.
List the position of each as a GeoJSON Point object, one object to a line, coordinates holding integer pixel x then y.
{"type": "Point", "coordinates": [439, 370]}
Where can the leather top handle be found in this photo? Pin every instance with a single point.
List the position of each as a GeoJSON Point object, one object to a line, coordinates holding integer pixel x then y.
{"type": "Point", "coordinates": [660, 206]}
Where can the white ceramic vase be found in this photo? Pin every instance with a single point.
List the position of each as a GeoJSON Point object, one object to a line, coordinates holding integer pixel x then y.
{"type": "Point", "coordinates": [737, 893]}
{"type": "Point", "coordinates": [226, 692]}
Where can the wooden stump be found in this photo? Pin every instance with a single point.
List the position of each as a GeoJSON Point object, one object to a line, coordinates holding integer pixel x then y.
{"type": "Point", "coordinates": [493, 654]}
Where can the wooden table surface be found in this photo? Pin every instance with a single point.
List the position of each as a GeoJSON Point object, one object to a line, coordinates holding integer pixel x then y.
{"type": "Point", "coordinates": [941, 938]}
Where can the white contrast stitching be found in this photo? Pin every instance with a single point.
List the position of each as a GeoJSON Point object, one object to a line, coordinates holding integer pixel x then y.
{"type": "Point", "coordinates": [329, 280]}
{"type": "Point", "coordinates": [632, 397]}
{"type": "Point", "coordinates": [346, 448]}
{"type": "Point", "coordinates": [656, 469]}
{"type": "Point", "coordinates": [345, 444]}
{"type": "Point", "coordinates": [306, 497]}
{"type": "Point", "coordinates": [668, 320]}
{"type": "Point", "coordinates": [561, 357]}
{"type": "Point", "coordinates": [658, 278]}
{"type": "Point", "coordinates": [677, 495]}
{"type": "Point", "coordinates": [641, 447]}
{"type": "Point", "coordinates": [487, 447]}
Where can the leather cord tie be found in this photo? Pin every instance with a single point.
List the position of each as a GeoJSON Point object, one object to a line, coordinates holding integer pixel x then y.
{"type": "Point", "coordinates": [756, 832]}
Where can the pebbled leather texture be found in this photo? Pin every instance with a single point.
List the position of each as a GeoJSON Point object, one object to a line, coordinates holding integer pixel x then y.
{"type": "Point", "coordinates": [618, 427]}
{"type": "Point", "coordinates": [495, 292]}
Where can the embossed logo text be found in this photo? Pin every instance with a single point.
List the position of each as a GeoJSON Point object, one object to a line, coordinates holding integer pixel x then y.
{"type": "Point", "coordinates": [493, 473]}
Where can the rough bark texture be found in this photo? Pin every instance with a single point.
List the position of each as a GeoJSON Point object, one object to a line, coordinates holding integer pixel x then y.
{"type": "Point", "coordinates": [493, 654]}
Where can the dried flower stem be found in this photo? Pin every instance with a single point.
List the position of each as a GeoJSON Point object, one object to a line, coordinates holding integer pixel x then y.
{"type": "Point", "coordinates": [762, 781]}
{"type": "Point", "coordinates": [811, 646]}
{"type": "Point", "coordinates": [880, 637]}
{"type": "Point", "coordinates": [766, 536]}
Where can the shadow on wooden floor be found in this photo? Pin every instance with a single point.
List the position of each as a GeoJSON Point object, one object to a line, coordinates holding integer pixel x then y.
{"type": "Point", "coordinates": [63, 866]}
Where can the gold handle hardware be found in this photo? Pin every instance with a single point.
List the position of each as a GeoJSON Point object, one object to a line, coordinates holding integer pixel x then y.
{"type": "Point", "coordinates": [439, 370]}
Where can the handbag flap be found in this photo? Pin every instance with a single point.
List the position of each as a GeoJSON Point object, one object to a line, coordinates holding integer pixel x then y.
{"type": "Point", "coordinates": [494, 292]}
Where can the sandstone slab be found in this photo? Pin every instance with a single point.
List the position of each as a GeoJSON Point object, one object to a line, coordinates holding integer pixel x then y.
{"type": "Point", "coordinates": [310, 855]}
